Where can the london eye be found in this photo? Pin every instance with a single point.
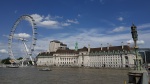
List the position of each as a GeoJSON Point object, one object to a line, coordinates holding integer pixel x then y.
{"type": "Point", "coordinates": [22, 39]}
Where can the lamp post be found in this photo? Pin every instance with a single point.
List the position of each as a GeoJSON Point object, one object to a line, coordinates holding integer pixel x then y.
{"type": "Point", "coordinates": [134, 34]}
{"type": "Point", "coordinates": [138, 61]}
{"type": "Point", "coordinates": [139, 75]}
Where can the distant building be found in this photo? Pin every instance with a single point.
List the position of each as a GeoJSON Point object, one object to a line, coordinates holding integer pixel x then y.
{"type": "Point", "coordinates": [55, 45]}
{"type": "Point", "coordinates": [145, 53]}
{"type": "Point", "coordinates": [110, 56]}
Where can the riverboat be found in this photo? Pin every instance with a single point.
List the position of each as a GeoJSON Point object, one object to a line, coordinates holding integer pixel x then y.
{"type": "Point", "coordinates": [12, 66]}
{"type": "Point", "coordinates": [45, 69]}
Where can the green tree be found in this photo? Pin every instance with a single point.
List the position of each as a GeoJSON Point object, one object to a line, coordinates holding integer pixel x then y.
{"type": "Point", "coordinates": [6, 61]}
{"type": "Point", "coordinates": [20, 58]}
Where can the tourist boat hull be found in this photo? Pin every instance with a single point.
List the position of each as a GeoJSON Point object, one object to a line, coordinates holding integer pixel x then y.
{"type": "Point", "coordinates": [12, 66]}
{"type": "Point", "coordinates": [45, 69]}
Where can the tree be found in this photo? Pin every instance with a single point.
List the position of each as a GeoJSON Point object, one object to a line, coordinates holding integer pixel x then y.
{"type": "Point", "coordinates": [6, 61]}
{"type": "Point", "coordinates": [20, 58]}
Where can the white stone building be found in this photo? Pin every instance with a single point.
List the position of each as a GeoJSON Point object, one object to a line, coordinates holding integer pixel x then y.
{"type": "Point", "coordinates": [45, 59]}
{"type": "Point", "coordinates": [110, 56]}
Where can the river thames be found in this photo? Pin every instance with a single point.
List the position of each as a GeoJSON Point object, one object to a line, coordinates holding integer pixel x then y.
{"type": "Point", "coordinates": [31, 75]}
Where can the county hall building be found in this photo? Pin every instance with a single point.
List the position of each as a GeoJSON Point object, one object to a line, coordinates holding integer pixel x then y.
{"type": "Point", "coordinates": [110, 56]}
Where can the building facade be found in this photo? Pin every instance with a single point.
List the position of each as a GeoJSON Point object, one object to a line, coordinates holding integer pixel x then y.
{"type": "Point", "coordinates": [110, 56]}
{"type": "Point", "coordinates": [145, 54]}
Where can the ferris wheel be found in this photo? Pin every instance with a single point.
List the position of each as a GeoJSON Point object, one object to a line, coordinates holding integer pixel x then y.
{"type": "Point", "coordinates": [26, 49]}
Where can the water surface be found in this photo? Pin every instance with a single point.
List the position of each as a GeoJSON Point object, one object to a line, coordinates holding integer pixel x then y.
{"type": "Point", "coordinates": [31, 75]}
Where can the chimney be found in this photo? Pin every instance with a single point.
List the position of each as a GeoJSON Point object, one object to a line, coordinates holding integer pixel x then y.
{"type": "Point", "coordinates": [101, 47]}
{"type": "Point", "coordinates": [88, 48]}
{"type": "Point", "coordinates": [107, 46]}
{"type": "Point", "coordinates": [122, 45]}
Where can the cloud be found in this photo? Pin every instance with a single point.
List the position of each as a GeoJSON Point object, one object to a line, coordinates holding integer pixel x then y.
{"type": "Point", "coordinates": [52, 22]}
{"type": "Point", "coordinates": [37, 17]}
{"type": "Point", "coordinates": [130, 41]}
{"type": "Point", "coordinates": [43, 21]}
{"type": "Point", "coordinates": [66, 24]}
{"type": "Point", "coordinates": [125, 28]}
{"type": "Point", "coordinates": [22, 35]}
{"type": "Point", "coordinates": [147, 25]}
{"type": "Point", "coordinates": [7, 36]}
{"type": "Point", "coordinates": [107, 22]}
{"type": "Point", "coordinates": [119, 29]}
{"type": "Point", "coordinates": [73, 21]}
{"type": "Point", "coordinates": [3, 51]}
{"type": "Point", "coordinates": [49, 23]}
{"type": "Point", "coordinates": [139, 42]}
{"type": "Point", "coordinates": [120, 18]}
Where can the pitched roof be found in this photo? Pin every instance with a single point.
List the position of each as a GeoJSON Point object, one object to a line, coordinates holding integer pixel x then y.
{"type": "Point", "coordinates": [83, 49]}
{"type": "Point", "coordinates": [56, 41]}
{"type": "Point", "coordinates": [63, 44]}
{"type": "Point", "coordinates": [46, 54]}
{"type": "Point", "coordinates": [66, 51]}
{"type": "Point", "coordinates": [111, 48]}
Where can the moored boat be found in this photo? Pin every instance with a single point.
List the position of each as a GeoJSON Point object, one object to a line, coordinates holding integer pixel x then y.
{"type": "Point", "coordinates": [12, 66]}
{"type": "Point", "coordinates": [45, 69]}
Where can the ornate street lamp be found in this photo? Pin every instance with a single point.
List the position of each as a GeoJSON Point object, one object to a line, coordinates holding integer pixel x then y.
{"type": "Point", "coordinates": [137, 61]}
{"type": "Point", "coordinates": [134, 34]}
{"type": "Point", "coordinates": [139, 75]}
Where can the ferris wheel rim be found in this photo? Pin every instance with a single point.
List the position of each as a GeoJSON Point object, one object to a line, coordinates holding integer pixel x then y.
{"type": "Point", "coordinates": [11, 36]}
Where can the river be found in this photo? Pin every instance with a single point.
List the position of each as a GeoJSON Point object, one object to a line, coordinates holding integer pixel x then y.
{"type": "Point", "coordinates": [31, 75]}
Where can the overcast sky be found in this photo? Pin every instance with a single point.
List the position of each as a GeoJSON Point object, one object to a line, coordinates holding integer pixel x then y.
{"type": "Point", "coordinates": [93, 22]}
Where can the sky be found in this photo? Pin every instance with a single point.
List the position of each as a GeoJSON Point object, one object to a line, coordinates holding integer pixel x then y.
{"type": "Point", "coordinates": [93, 22]}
